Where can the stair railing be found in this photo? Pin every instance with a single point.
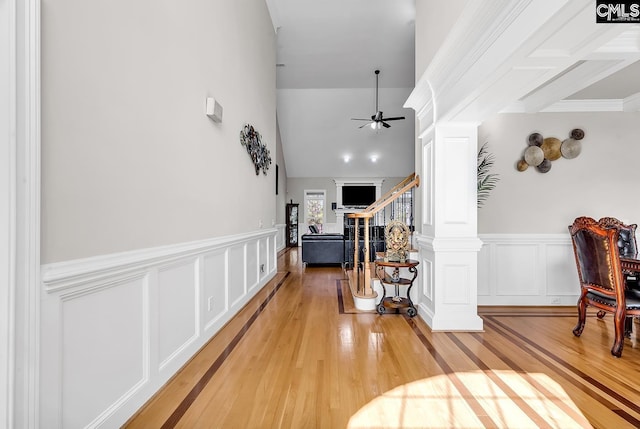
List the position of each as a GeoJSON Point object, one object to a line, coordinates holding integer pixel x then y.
{"type": "Point", "coordinates": [361, 278]}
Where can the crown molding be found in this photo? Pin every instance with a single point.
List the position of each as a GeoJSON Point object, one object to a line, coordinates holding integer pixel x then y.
{"type": "Point", "coordinates": [631, 103]}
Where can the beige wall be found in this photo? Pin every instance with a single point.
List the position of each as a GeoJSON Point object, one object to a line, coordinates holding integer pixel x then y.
{"type": "Point", "coordinates": [602, 181]}
{"type": "Point", "coordinates": [281, 198]}
{"type": "Point", "coordinates": [129, 159]}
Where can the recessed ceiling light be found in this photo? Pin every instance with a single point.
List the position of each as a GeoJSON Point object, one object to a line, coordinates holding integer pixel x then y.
{"type": "Point", "coordinates": [374, 158]}
{"type": "Point", "coordinates": [346, 158]}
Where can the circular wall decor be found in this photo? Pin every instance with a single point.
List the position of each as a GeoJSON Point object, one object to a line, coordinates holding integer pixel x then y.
{"type": "Point", "coordinates": [571, 148]}
{"type": "Point", "coordinates": [541, 151]}
{"type": "Point", "coordinates": [544, 166]}
{"type": "Point", "coordinates": [533, 155]}
{"type": "Point", "coordinates": [577, 134]}
{"type": "Point", "coordinates": [522, 165]}
{"type": "Point", "coordinates": [551, 148]}
{"type": "Point", "coordinates": [535, 139]}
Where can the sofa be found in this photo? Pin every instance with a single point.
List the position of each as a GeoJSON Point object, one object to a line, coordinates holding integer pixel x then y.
{"type": "Point", "coordinates": [323, 248]}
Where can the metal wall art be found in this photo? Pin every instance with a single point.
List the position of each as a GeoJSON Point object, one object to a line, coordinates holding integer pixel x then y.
{"type": "Point", "coordinates": [252, 141]}
{"type": "Point", "coordinates": [541, 151]}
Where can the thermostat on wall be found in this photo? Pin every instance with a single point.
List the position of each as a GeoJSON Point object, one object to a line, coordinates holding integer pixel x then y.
{"type": "Point", "coordinates": [214, 109]}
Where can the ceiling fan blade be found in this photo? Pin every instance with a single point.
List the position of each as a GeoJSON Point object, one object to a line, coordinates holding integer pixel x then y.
{"type": "Point", "coordinates": [362, 126]}
{"type": "Point", "coordinates": [360, 119]}
{"type": "Point", "coordinates": [394, 119]}
{"type": "Point", "coordinates": [384, 124]}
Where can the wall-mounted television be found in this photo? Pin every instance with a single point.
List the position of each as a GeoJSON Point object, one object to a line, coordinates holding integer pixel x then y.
{"type": "Point", "coordinates": [358, 195]}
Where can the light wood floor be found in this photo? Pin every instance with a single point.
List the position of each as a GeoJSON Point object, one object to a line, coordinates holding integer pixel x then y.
{"type": "Point", "coordinates": [299, 356]}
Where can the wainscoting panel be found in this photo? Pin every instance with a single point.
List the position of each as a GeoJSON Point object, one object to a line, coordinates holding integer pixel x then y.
{"type": "Point", "coordinates": [527, 269]}
{"type": "Point", "coordinates": [456, 275]}
{"type": "Point", "coordinates": [562, 273]}
{"type": "Point", "coordinates": [214, 286]}
{"type": "Point", "coordinates": [238, 267]}
{"type": "Point", "coordinates": [115, 328]}
{"type": "Point", "coordinates": [280, 241]}
{"type": "Point", "coordinates": [105, 344]}
{"type": "Point", "coordinates": [517, 269]}
{"type": "Point", "coordinates": [272, 249]}
{"type": "Point", "coordinates": [427, 279]}
{"type": "Point", "coordinates": [263, 257]}
{"type": "Point", "coordinates": [177, 309]}
{"type": "Point", "coordinates": [252, 265]}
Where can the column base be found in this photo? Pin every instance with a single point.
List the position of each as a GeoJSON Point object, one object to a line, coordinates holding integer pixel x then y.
{"type": "Point", "coordinates": [464, 322]}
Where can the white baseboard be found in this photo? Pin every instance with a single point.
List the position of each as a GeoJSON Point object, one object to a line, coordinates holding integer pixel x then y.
{"type": "Point", "coordinates": [115, 328]}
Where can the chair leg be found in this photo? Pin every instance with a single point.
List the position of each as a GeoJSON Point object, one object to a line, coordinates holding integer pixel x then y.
{"type": "Point", "coordinates": [619, 321]}
{"type": "Point", "coordinates": [582, 316]}
{"type": "Point", "coordinates": [628, 326]}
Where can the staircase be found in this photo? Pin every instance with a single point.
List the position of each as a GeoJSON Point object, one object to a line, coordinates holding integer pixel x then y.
{"type": "Point", "coordinates": [397, 204]}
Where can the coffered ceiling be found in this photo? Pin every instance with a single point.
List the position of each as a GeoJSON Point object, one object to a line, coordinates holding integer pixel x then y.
{"type": "Point", "coordinates": [327, 53]}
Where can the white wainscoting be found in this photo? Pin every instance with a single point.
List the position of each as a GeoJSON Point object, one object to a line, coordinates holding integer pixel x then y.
{"type": "Point", "coordinates": [115, 328]}
{"type": "Point", "coordinates": [527, 269]}
{"type": "Point", "coordinates": [280, 237]}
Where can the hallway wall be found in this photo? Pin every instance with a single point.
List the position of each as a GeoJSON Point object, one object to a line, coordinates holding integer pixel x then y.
{"type": "Point", "coordinates": [156, 229]}
{"type": "Point", "coordinates": [129, 158]}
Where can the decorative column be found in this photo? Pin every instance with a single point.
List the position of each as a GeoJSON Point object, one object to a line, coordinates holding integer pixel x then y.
{"type": "Point", "coordinates": [449, 243]}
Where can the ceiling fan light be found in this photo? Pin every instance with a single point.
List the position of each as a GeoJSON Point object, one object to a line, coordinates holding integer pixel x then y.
{"type": "Point", "coordinates": [373, 125]}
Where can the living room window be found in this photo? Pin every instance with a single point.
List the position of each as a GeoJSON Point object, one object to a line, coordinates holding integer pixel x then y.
{"type": "Point", "coordinates": [314, 203]}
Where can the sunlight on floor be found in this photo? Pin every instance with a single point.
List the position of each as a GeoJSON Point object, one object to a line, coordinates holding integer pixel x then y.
{"type": "Point", "coordinates": [501, 399]}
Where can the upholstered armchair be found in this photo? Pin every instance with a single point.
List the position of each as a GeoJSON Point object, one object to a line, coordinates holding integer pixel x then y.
{"type": "Point", "coordinates": [627, 245]}
{"type": "Point", "coordinates": [601, 278]}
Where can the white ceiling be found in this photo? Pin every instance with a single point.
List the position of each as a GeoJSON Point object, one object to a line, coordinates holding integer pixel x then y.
{"type": "Point", "coordinates": [327, 53]}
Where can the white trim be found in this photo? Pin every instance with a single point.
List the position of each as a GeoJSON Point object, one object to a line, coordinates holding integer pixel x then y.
{"type": "Point", "coordinates": [81, 272]}
{"type": "Point", "coordinates": [450, 244]}
{"type": "Point", "coordinates": [25, 123]}
{"type": "Point", "coordinates": [631, 103]}
{"type": "Point", "coordinates": [566, 106]}
{"type": "Point", "coordinates": [275, 15]}
{"type": "Point", "coordinates": [8, 215]}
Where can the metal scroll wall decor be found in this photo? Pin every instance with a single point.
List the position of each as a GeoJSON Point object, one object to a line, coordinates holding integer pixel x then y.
{"type": "Point", "coordinates": [541, 151]}
{"type": "Point", "coordinates": [252, 141]}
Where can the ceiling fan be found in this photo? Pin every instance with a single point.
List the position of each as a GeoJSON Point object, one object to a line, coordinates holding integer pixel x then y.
{"type": "Point", "coordinates": [377, 121]}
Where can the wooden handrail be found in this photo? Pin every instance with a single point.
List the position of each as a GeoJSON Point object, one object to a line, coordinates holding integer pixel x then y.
{"type": "Point", "coordinates": [406, 180]}
{"type": "Point", "coordinates": [409, 182]}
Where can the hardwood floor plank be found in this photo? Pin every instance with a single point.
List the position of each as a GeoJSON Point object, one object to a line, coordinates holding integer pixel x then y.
{"type": "Point", "coordinates": [299, 356]}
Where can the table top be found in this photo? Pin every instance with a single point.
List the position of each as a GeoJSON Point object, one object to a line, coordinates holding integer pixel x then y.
{"type": "Point", "coordinates": [407, 263]}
